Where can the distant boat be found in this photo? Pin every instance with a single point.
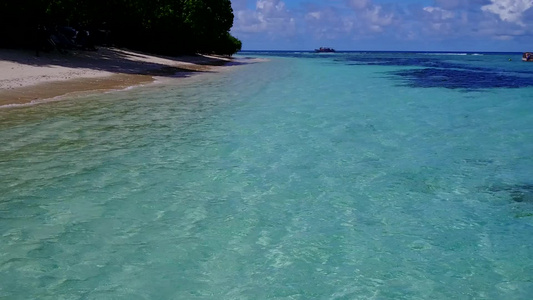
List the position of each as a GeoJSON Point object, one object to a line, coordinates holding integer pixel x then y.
{"type": "Point", "coordinates": [527, 56]}
{"type": "Point", "coordinates": [324, 49]}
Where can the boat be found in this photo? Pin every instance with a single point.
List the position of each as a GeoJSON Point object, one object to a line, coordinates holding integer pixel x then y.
{"type": "Point", "coordinates": [324, 50]}
{"type": "Point", "coordinates": [527, 56]}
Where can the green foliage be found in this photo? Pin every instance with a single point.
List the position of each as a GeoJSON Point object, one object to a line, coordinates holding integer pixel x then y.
{"type": "Point", "coordinates": [161, 26]}
{"type": "Point", "coordinates": [227, 45]}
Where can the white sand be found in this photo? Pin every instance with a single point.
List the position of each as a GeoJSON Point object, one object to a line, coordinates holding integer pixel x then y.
{"type": "Point", "coordinates": [25, 77]}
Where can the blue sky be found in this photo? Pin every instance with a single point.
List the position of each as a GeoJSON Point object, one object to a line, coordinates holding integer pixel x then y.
{"type": "Point", "coordinates": [408, 25]}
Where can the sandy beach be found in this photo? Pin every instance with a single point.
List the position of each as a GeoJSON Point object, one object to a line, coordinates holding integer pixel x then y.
{"type": "Point", "coordinates": [25, 77]}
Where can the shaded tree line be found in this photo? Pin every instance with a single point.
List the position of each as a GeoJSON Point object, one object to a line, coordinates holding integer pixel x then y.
{"type": "Point", "coordinates": [161, 26]}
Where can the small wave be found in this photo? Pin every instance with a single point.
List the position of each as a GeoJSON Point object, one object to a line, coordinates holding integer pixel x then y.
{"type": "Point", "coordinates": [12, 105]}
{"type": "Point", "coordinates": [446, 53]}
{"type": "Point", "coordinates": [456, 54]}
{"type": "Point", "coordinates": [131, 87]}
{"type": "Point", "coordinates": [31, 103]}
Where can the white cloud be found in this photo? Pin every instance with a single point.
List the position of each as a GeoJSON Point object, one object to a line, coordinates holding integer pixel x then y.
{"type": "Point", "coordinates": [365, 21]}
{"type": "Point", "coordinates": [326, 24]}
{"type": "Point", "coordinates": [509, 10]}
{"type": "Point", "coordinates": [316, 15]}
{"type": "Point", "coordinates": [378, 17]}
{"type": "Point", "coordinates": [500, 30]}
{"type": "Point", "coordinates": [460, 4]}
{"type": "Point", "coordinates": [439, 13]}
{"type": "Point", "coordinates": [368, 17]}
{"type": "Point", "coordinates": [270, 7]}
{"type": "Point", "coordinates": [270, 17]}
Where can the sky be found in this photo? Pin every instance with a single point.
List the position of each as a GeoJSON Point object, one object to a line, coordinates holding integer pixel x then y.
{"type": "Point", "coordinates": [385, 25]}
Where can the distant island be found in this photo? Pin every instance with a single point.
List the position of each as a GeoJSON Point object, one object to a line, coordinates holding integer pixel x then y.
{"type": "Point", "coordinates": [170, 27]}
{"type": "Point", "coordinates": [324, 49]}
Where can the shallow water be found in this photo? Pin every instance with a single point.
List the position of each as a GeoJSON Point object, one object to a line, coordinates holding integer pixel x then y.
{"type": "Point", "coordinates": [338, 176]}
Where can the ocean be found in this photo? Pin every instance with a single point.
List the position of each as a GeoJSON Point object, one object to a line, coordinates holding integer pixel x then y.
{"type": "Point", "coordinates": [352, 175]}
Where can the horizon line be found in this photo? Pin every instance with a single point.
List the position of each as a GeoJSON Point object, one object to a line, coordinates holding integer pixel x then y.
{"type": "Point", "coordinates": [414, 51]}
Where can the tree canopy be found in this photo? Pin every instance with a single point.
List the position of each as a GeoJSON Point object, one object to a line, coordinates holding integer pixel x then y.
{"type": "Point", "coordinates": [161, 26]}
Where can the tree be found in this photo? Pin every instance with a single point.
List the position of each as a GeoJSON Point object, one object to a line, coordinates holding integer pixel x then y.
{"type": "Point", "coordinates": [161, 26]}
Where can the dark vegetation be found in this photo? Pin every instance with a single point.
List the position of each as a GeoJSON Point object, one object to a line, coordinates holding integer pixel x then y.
{"type": "Point", "coordinates": [169, 27]}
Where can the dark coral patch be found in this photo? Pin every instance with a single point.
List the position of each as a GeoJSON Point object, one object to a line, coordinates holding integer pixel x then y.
{"type": "Point", "coordinates": [517, 192]}
{"type": "Point", "coordinates": [431, 72]}
{"type": "Point", "coordinates": [462, 79]}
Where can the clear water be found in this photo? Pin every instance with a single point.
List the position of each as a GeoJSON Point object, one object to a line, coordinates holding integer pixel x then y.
{"type": "Point", "coordinates": [343, 176]}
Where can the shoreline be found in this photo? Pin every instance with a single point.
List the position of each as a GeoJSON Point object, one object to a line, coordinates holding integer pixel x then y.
{"type": "Point", "coordinates": [27, 79]}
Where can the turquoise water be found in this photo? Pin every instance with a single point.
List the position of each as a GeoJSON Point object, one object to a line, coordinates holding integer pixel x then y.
{"type": "Point", "coordinates": [343, 176]}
